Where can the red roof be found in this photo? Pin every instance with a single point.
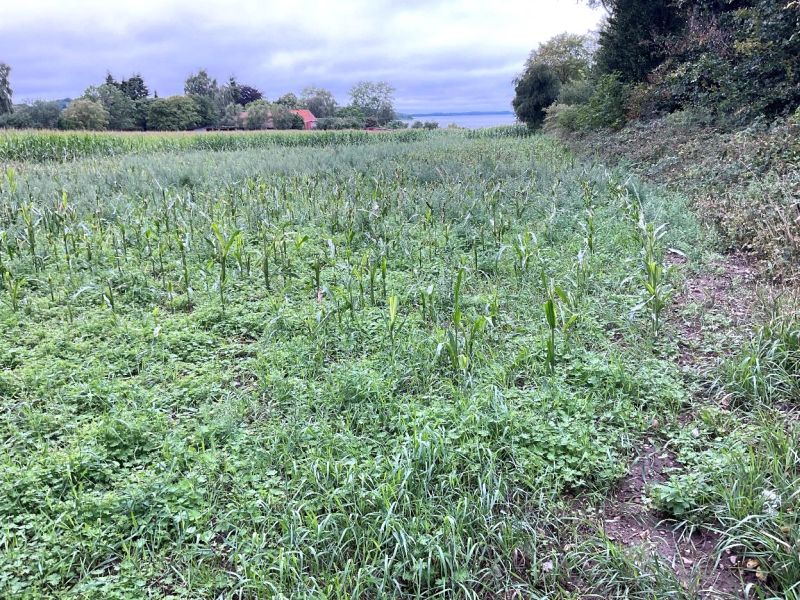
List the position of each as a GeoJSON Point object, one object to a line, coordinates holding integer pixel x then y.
{"type": "Point", "coordinates": [305, 114]}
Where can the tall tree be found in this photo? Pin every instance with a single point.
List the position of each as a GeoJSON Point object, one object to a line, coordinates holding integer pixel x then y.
{"type": "Point", "coordinates": [375, 99]}
{"type": "Point", "coordinates": [6, 105]}
{"type": "Point", "coordinates": [319, 101]}
{"type": "Point", "coordinates": [121, 109]}
{"type": "Point", "coordinates": [85, 114]}
{"type": "Point", "coordinates": [205, 92]}
{"type": "Point", "coordinates": [569, 55]}
{"type": "Point", "coordinates": [535, 89]}
{"type": "Point", "coordinates": [633, 39]}
{"type": "Point", "coordinates": [134, 87]}
{"type": "Point", "coordinates": [176, 113]}
{"type": "Point", "coordinates": [288, 100]}
{"type": "Point", "coordinates": [247, 94]}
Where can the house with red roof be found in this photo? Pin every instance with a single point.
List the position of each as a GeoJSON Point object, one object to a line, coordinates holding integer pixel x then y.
{"type": "Point", "coordinates": [309, 120]}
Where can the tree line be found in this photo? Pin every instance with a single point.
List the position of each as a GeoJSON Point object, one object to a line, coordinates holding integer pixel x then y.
{"type": "Point", "coordinates": [127, 105]}
{"type": "Point", "coordinates": [722, 62]}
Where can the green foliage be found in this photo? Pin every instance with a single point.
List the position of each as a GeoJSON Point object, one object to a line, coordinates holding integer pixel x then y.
{"type": "Point", "coordinates": [319, 101]}
{"type": "Point", "coordinates": [569, 55]}
{"type": "Point", "coordinates": [203, 90]}
{"type": "Point", "coordinates": [70, 146]}
{"type": "Point", "coordinates": [534, 90]}
{"type": "Point", "coordinates": [85, 114]}
{"type": "Point", "coordinates": [288, 101]}
{"type": "Point", "coordinates": [632, 39]}
{"type": "Point", "coordinates": [340, 123]}
{"type": "Point", "coordinates": [737, 60]}
{"type": "Point", "coordinates": [176, 113]}
{"type": "Point", "coordinates": [578, 91]}
{"type": "Point", "coordinates": [6, 94]}
{"type": "Point", "coordinates": [374, 99]}
{"type": "Point", "coordinates": [258, 114]}
{"type": "Point", "coordinates": [743, 479]}
{"type": "Point", "coordinates": [313, 439]}
{"type": "Point", "coordinates": [768, 368]}
{"type": "Point", "coordinates": [121, 109]}
{"type": "Point", "coordinates": [37, 115]}
{"type": "Point", "coordinates": [134, 87]}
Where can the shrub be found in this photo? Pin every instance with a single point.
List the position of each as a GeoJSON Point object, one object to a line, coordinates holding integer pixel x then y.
{"type": "Point", "coordinates": [563, 118]}
{"type": "Point", "coordinates": [576, 92]}
{"type": "Point", "coordinates": [606, 107]}
{"type": "Point", "coordinates": [85, 114]}
{"type": "Point", "coordinates": [38, 115]}
{"type": "Point", "coordinates": [177, 113]}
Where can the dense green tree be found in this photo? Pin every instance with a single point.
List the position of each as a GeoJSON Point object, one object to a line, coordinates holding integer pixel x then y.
{"type": "Point", "coordinates": [141, 110]}
{"type": "Point", "coordinates": [6, 93]}
{"type": "Point", "coordinates": [535, 89]}
{"type": "Point", "coordinates": [205, 92]}
{"type": "Point", "coordinates": [375, 99]}
{"type": "Point", "coordinates": [176, 113]}
{"type": "Point", "coordinates": [121, 109]}
{"type": "Point", "coordinates": [245, 94]}
{"type": "Point", "coordinates": [569, 55]}
{"type": "Point", "coordinates": [319, 101]}
{"type": "Point", "coordinates": [288, 100]}
{"type": "Point", "coordinates": [37, 115]}
{"type": "Point", "coordinates": [633, 41]}
{"type": "Point", "coordinates": [231, 115]}
{"type": "Point", "coordinates": [85, 114]}
{"type": "Point", "coordinates": [134, 87]}
{"type": "Point", "coordinates": [258, 115]}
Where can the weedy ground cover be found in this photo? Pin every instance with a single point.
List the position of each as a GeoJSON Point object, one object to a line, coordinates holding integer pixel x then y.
{"type": "Point", "coordinates": [330, 370]}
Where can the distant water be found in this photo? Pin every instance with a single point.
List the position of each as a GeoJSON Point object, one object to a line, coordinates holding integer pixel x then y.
{"type": "Point", "coordinates": [469, 121]}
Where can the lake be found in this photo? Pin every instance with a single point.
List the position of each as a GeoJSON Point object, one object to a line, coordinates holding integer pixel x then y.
{"type": "Point", "coordinates": [469, 121]}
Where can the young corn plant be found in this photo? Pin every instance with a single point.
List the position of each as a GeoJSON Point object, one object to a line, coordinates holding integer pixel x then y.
{"type": "Point", "coordinates": [657, 291]}
{"type": "Point", "coordinates": [392, 320]}
{"type": "Point", "coordinates": [222, 246]}
{"type": "Point", "coordinates": [14, 288]}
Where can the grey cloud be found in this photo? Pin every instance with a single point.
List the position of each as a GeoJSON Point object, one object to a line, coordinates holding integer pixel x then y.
{"type": "Point", "coordinates": [452, 64]}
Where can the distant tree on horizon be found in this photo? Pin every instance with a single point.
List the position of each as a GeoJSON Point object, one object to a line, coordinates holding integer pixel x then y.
{"type": "Point", "coordinates": [85, 114]}
{"type": "Point", "coordinates": [319, 101]}
{"type": "Point", "coordinates": [375, 99]}
{"type": "Point", "coordinates": [289, 100]}
{"type": "Point", "coordinates": [204, 91]}
{"type": "Point", "coordinates": [134, 87]}
{"type": "Point", "coordinates": [121, 109]}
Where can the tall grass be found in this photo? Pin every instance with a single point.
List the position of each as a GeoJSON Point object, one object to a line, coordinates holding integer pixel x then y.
{"type": "Point", "coordinates": [63, 146]}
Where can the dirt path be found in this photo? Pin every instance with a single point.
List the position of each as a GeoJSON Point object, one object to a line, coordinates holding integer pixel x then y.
{"type": "Point", "coordinates": [721, 303]}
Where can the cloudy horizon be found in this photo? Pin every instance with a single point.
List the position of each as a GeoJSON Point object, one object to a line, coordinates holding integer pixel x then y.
{"type": "Point", "coordinates": [440, 55]}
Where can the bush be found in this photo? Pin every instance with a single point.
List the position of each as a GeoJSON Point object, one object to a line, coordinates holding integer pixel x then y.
{"type": "Point", "coordinates": [690, 117]}
{"type": "Point", "coordinates": [85, 114]}
{"type": "Point", "coordinates": [417, 125]}
{"type": "Point", "coordinates": [39, 115]}
{"type": "Point", "coordinates": [576, 92]}
{"type": "Point", "coordinates": [177, 113]}
{"type": "Point", "coordinates": [396, 124]}
{"type": "Point", "coordinates": [340, 123]}
{"type": "Point", "coordinates": [563, 118]}
{"type": "Point", "coordinates": [606, 107]}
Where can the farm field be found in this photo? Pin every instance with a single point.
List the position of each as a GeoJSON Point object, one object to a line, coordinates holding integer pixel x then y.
{"type": "Point", "coordinates": [415, 364]}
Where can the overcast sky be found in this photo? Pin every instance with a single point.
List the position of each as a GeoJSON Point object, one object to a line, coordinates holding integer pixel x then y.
{"type": "Point", "coordinates": [439, 54]}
